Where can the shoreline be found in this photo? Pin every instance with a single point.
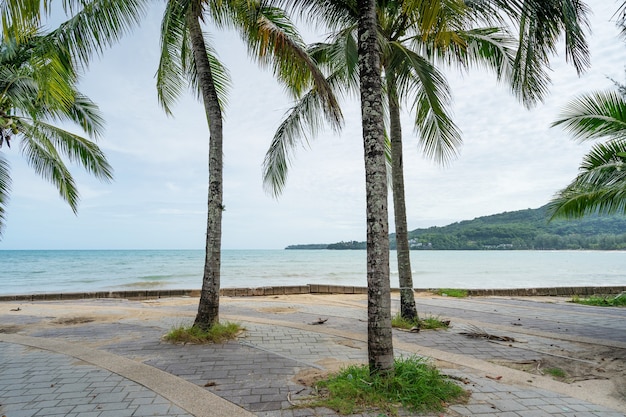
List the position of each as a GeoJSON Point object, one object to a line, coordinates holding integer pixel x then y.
{"type": "Point", "coordinates": [319, 289]}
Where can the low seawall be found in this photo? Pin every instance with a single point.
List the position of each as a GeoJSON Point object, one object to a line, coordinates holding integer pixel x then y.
{"type": "Point", "coordinates": [310, 289]}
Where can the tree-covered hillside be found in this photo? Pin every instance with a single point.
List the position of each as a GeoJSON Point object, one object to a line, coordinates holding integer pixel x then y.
{"type": "Point", "coordinates": [523, 229]}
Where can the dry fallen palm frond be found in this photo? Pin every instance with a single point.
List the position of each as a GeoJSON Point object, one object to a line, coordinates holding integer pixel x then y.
{"type": "Point", "coordinates": [477, 332]}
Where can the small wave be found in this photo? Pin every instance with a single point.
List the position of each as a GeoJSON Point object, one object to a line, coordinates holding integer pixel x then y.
{"type": "Point", "coordinates": [156, 277]}
{"type": "Point", "coordinates": [144, 284]}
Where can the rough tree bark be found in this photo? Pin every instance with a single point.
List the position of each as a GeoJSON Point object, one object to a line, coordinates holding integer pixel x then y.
{"type": "Point", "coordinates": [379, 339]}
{"type": "Point", "coordinates": [208, 308]}
{"type": "Point", "coordinates": [408, 309]}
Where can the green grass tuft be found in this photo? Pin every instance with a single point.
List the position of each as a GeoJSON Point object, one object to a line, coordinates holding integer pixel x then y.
{"type": "Point", "coordinates": [608, 301]}
{"type": "Point", "coordinates": [556, 372]}
{"type": "Point", "coordinates": [415, 385]}
{"type": "Point", "coordinates": [451, 292]}
{"type": "Point", "coordinates": [218, 333]}
{"type": "Point", "coordinates": [427, 323]}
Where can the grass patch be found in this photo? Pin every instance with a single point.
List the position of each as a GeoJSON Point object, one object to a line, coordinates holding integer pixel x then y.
{"type": "Point", "coordinates": [607, 301]}
{"type": "Point", "coordinates": [427, 323]}
{"type": "Point", "coordinates": [218, 333]}
{"type": "Point", "coordinates": [556, 372]}
{"type": "Point", "coordinates": [415, 385]}
{"type": "Point", "coordinates": [451, 292]}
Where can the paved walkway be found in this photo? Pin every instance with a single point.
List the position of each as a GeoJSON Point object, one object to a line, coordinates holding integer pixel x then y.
{"type": "Point", "coordinates": [105, 358]}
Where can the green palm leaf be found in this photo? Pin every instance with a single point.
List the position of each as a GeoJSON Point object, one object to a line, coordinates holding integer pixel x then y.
{"type": "Point", "coordinates": [303, 121]}
{"type": "Point", "coordinates": [177, 69]}
{"type": "Point", "coordinates": [38, 88]}
{"type": "Point", "coordinates": [97, 25]}
{"type": "Point", "coordinates": [439, 138]}
{"type": "Point", "coordinates": [5, 188]}
{"type": "Point", "coordinates": [76, 148]}
{"type": "Point", "coordinates": [595, 115]}
{"type": "Point", "coordinates": [600, 187]}
{"type": "Point", "coordinates": [42, 156]}
{"type": "Point", "coordinates": [273, 35]}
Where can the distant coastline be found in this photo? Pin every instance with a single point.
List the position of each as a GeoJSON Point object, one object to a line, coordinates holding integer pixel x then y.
{"type": "Point", "coordinates": [528, 229]}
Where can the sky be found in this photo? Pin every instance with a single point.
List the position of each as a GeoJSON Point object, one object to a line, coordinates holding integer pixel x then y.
{"type": "Point", "coordinates": [511, 158]}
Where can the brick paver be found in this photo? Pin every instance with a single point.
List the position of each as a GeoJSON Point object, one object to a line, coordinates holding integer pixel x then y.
{"type": "Point", "coordinates": [259, 371]}
{"type": "Point", "coordinates": [40, 383]}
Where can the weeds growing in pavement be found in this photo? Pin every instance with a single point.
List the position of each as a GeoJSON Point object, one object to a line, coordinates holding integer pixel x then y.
{"type": "Point", "coordinates": [423, 324]}
{"type": "Point", "coordinates": [415, 385]}
{"type": "Point", "coordinates": [608, 301]}
{"type": "Point", "coordinates": [218, 333]}
{"type": "Point", "coordinates": [451, 292]}
{"type": "Point", "coordinates": [556, 372]}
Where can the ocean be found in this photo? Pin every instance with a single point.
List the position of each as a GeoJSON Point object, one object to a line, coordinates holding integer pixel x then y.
{"type": "Point", "coordinates": [54, 271]}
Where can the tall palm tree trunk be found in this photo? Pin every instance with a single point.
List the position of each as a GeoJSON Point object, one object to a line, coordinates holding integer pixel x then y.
{"type": "Point", "coordinates": [379, 337]}
{"type": "Point", "coordinates": [407, 298]}
{"type": "Point", "coordinates": [208, 308]}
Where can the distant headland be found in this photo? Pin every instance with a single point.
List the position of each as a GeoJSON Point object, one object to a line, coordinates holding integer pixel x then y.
{"type": "Point", "coordinates": [516, 230]}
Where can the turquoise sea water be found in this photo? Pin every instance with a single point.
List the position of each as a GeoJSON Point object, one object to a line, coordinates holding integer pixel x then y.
{"type": "Point", "coordinates": [27, 272]}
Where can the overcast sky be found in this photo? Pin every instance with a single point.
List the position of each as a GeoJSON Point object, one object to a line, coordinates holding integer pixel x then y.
{"type": "Point", "coordinates": [511, 158]}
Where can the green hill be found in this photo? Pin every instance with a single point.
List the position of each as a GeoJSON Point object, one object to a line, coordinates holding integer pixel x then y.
{"type": "Point", "coordinates": [522, 229]}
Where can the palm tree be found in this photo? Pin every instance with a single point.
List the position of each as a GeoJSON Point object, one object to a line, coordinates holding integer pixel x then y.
{"type": "Point", "coordinates": [379, 337]}
{"type": "Point", "coordinates": [38, 87]}
{"type": "Point", "coordinates": [187, 58]}
{"type": "Point", "coordinates": [539, 25]}
{"type": "Point", "coordinates": [415, 35]}
{"type": "Point", "coordinates": [600, 187]}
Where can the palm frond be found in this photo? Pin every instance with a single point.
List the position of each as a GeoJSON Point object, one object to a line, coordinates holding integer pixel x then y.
{"type": "Point", "coordinates": [332, 14]}
{"type": "Point", "coordinates": [41, 155]}
{"type": "Point", "coordinates": [5, 188]}
{"type": "Point", "coordinates": [169, 74]}
{"type": "Point", "coordinates": [273, 40]}
{"type": "Point", "coordinates": [595, 115]}
{"type": "Point", "coordinates": [177, 67]}
{"type": "Point", "coordinates": [490, 48]}
{"type": "Point", "coordinates": [18, 17]}
{"type": "Point", "coordinates": [621, 18]}
{"type": "Point", "coordinates": [339, 57]}
{"type": "Point", "coordinates": [540, 24]}
{"type": "Point", "coordinates": [98, 24]}
{"type": "Point", "coordinates": [440, 138]}
{"type": "Point", "coordinates": [576, 202]}
{"type": "Point", "coordinates": [36, 75]}
{"type": "Point", "coordinates": [600, 187]}
{"type": "Point", "coordinates": [81, 111]}
{"type": "Point", "coordinates": [77, 149]}
{"type": "Point", "coordinates": [220, 74]}
{"type": "Point", "coordinates": [302, 122]}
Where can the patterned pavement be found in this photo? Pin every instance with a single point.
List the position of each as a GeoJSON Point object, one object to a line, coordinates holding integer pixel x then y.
{"type": "Point", "coordinates": [105, 357]}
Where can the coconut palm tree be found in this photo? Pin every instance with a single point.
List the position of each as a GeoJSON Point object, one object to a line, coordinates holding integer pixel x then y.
{"type": "Point", "coordinates": [538, 23]}
{"type": "Point", "coordinates": [600, 187]}
{"type": "Point", "coordinates": [414, 36]}
{"type": "Point", "coordinates": [38, 87]}
{"type": "Point", "coordinates": [188, 59]}
{"type": "Point", "coordinates": [379, 337]}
